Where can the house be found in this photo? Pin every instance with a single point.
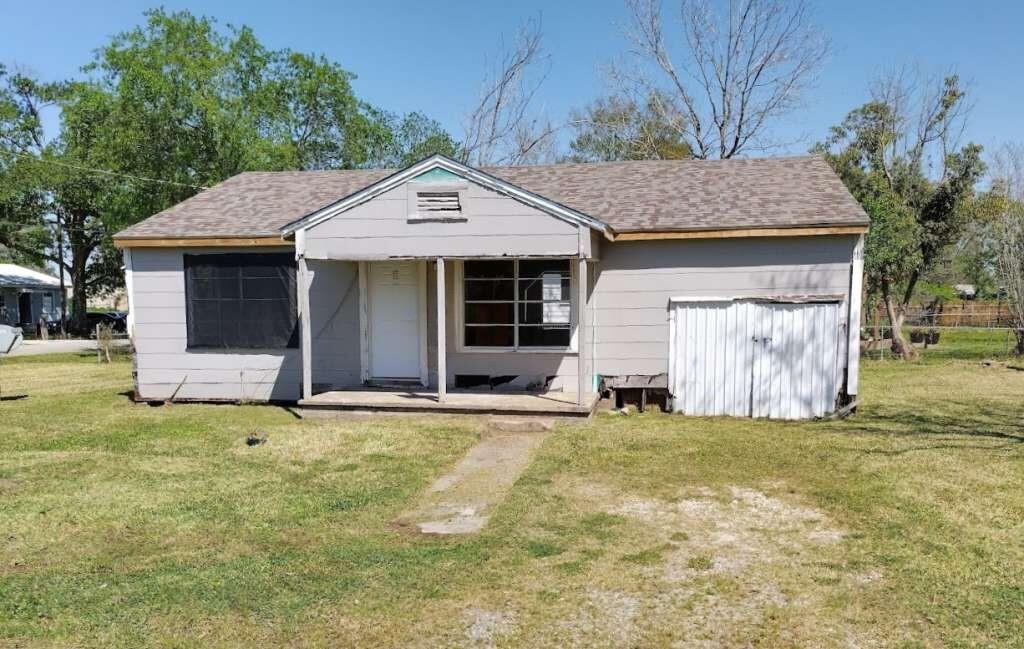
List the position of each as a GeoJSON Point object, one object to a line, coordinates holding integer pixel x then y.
{"type": "Point", "coordinates": [27, 294]}
{"type": "Point", "coordinates": [733, 284]}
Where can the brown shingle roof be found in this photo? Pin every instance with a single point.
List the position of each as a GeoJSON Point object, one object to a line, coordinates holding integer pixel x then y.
{"type": "Point", "coordinates": [628, 196]}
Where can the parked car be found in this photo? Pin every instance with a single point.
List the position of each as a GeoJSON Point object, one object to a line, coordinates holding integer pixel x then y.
{"type": "Point", "coordinates": [116, 320]}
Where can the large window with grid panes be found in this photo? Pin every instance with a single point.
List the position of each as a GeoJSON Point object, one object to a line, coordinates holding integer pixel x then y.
{"type": "Point", "coordinates": [518, 304]}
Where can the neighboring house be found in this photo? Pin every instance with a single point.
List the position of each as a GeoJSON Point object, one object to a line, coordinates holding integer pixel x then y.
{"type": "Point", "coordinates": [735, 284]}
{"type": "Point", "coordinates": [27, 294]}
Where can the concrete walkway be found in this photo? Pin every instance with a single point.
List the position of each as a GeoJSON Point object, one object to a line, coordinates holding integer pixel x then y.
{"type": "Point", "coordinates": [461, 501]}
{"type": "Point", "coordinates": [36, 347]}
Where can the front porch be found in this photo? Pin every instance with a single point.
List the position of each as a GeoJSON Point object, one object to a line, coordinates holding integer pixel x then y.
{"type": "Point", "coordinates": [410, 336]}
{"type": "Point", "coordinates": [447, 279]}
{"type": "Point", "coordinates": [564, 404]}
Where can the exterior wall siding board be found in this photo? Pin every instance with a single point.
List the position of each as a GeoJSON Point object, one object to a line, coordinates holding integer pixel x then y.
{"type": "Point", "coordinates": [493, 225]}
{"type": "Point", "coordinates": [164, 363]}
{"type": "Point", "coordinates": [627, 319]}
{"type": "Point", "coordinates": [660, 270]}
{"type": "Point", "coordinates": [276, 391]}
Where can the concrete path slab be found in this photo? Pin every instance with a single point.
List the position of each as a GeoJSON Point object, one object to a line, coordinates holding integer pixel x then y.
{"type": "Point", "coordinates": [461, 501]}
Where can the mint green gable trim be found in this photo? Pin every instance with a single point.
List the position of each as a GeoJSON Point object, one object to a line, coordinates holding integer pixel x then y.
{"type": "Point", "coordinates": [437, 175]}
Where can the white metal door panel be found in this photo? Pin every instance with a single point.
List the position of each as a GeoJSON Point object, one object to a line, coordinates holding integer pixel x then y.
{"type": "Point", "coordinates": [711, 355]}
{"type": "Point", "coordinates": [394, 319]}
{"type": "Point", "coordinates": [795, 364]}
{"type": "Point", "coordinates": [776, 360]}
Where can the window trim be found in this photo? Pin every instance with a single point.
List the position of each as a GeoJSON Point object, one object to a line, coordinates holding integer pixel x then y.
{"type": "Point", "coordinates": [460, 312]}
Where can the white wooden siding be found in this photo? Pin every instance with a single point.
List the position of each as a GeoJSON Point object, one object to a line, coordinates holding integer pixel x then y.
{"type": "Point", "coordinates": [627, 312]}
{"type": "Point", "coordinates": [494, 225]}
{"type": "Point", "coordinates": [635, 281]}
{"type": "Point", "coordinates": [166, 366]}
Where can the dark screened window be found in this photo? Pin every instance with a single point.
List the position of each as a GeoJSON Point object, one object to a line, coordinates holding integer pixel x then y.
{"type": "Point", "coordinates": [241, 300]}
{"type": "Point", "coordinates": [517, 303]}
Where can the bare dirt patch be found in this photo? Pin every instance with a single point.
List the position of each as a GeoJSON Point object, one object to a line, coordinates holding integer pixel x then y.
{"type": "Point", "coordinates": [606, 614]}
{"type": "Point", "coordinates": [729, 532]}
{"type": "Point", "coordinates": [485, 628]}
{"type": "Point", "coordinates": [717, 567]}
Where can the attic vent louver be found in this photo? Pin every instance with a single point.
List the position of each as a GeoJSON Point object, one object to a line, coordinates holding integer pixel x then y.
{"type": "Point", "coordinates": [438, 204]}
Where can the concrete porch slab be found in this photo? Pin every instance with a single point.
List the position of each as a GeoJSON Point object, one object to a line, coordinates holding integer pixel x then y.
{"type": "Point", "coordinates": [500, 403]}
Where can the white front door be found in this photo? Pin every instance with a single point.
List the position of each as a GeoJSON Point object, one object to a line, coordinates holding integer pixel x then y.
{"type": "Point", "coordinates": [394, 305]}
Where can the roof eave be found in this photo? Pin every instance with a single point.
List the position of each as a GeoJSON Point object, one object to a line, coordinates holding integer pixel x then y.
{"type": "Point", "coordinates": [648, 234]}
{"type": "Point", "coordinates": [192, 241]}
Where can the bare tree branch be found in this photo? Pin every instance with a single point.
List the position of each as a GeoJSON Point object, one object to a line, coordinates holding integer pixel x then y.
{"type": "Point", "coordinates": [1009, 179]}
{"type": "Point", "coordinates": [503, 128]}
{"type": "Point", "coordinates": [733, 70]}
{"type": "Point", "coordinates": [927, 117]}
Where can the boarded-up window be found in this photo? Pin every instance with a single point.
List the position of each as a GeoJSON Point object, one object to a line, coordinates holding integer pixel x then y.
{"type": "Point", "coordinates": [241, 300]}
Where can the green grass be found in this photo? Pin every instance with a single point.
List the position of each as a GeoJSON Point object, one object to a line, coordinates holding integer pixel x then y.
{"type": "Point", "coordinates": [128, 525]}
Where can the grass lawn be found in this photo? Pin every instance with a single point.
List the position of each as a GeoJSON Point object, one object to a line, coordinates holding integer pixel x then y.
{"type": "Point", "coordinates": [127, 525]}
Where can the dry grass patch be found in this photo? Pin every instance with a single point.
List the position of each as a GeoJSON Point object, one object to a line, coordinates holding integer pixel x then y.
{"type": "Point", "coordinates": [129, 526]}
{"type": "Point", "coordinates": [707, 568]}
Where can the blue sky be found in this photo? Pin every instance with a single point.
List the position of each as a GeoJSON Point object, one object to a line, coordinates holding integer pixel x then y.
{"type": "Point", "coordinates": [430, 56]}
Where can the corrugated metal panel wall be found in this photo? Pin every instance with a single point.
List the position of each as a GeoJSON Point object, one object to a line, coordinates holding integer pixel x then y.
{"type": "Point", "coordinates": [745, 358]}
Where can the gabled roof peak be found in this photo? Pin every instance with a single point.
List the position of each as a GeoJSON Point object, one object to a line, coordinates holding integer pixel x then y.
{"type": "Point", "coordinates": [441, 163]}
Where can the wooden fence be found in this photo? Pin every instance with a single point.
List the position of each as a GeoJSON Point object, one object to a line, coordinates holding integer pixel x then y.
{"type": "Point", "coordinates": [989, 315]}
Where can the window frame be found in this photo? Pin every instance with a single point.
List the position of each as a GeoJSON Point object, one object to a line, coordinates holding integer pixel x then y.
{"type": "Point", "coordinates": [190, 346]}
{"type": "Point", "coordinates": [460, 311]}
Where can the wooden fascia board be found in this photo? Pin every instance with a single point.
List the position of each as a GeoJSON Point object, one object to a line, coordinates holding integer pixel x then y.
{"type": "Point", "coordinates": [201, 242]}
{"type": "Point", "coordinates": [738, 233]}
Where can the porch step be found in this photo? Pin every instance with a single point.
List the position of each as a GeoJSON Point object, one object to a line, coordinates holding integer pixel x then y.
{"type": "Point", "coordinates": [393, 384]}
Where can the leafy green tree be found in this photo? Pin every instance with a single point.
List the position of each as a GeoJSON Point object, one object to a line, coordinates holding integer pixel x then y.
{"type": "Point", "coordinates": [166, 109]}
{"type": "Point", "coordinates": [413, 137]}
{"type": "Point", "coordinates": [882, 155]}
{"type": "Point", "coordinates": [621, 128]}
{"type": "Point", "coordinates": [24, 234]}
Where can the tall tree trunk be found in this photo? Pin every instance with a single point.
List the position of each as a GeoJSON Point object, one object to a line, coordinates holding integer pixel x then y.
{"type": "Point", "coordinates": [897, 314]}
{"type": "Point", "coordinates": [63, 287]}
{"type": "Point", "coordinates": [79, 295]}
{"type": "Point", "coordinates": [1019, 333]}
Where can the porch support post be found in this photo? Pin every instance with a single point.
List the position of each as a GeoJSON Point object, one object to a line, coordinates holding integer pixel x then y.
{"type": "Point", "coordinates": [442, 352]}
{"type": "Point", "coordinates": [853, 320]}
{"type": "Point", "coordinates": [581, 321]}
{"type": "Point", "coordinates": [305, 333]}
